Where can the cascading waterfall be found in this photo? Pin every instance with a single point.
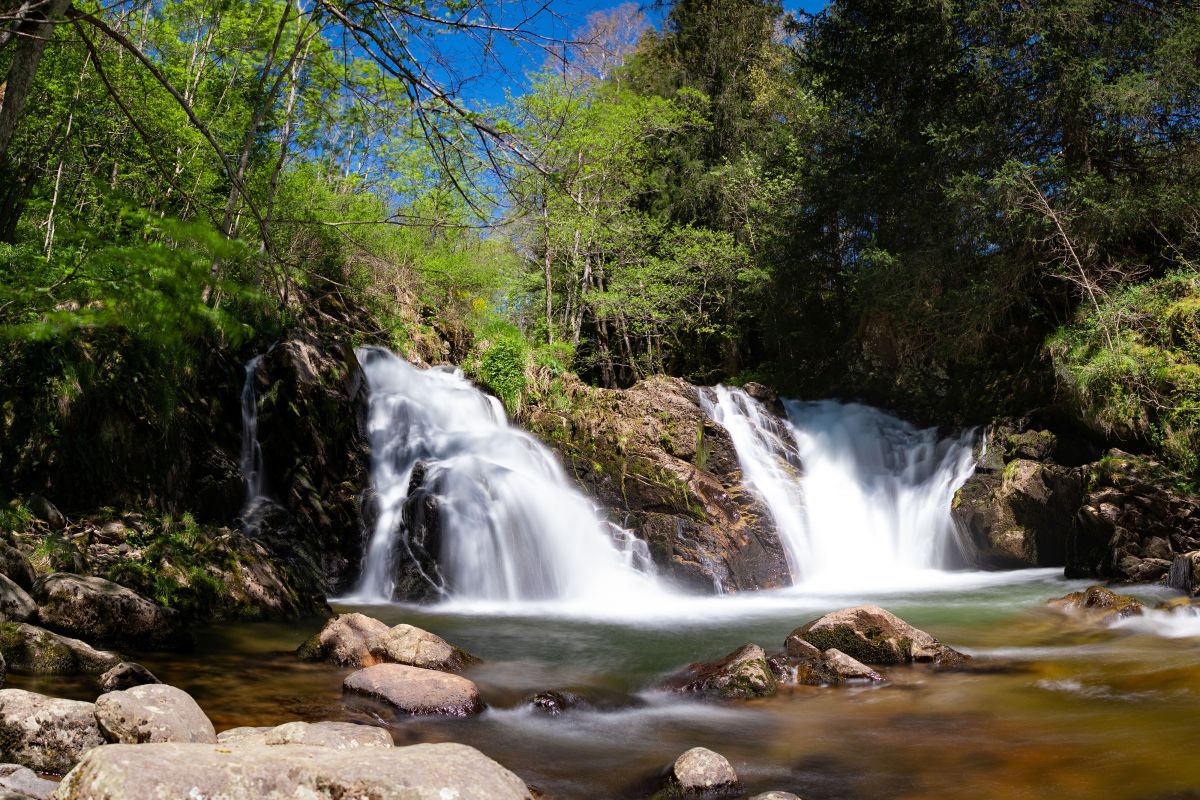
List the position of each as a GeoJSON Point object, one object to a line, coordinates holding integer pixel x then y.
{"type": "Point", "coordinates": [871, 502]}
{"type": "Point", "coordinates": [511, 526]}
{"type": "Point", "coordinates": [252, 458]}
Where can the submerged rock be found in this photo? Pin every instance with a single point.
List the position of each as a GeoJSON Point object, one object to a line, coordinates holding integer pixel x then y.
{"type": "Point", "coordinates": [702, 772]}
{"type": "Point", "coordinates": [553, 703]}
{"type": "Point", "coordinates": [874, 635]}
{"type": "Point", "coordinates": [126, 675]}
{"type": "Point", "coordinates": [411, 690]}
{"type": "Point", "coordinates": [255, 771]}
{"type": "Point", "coordinates": [28, 648]}
{"type": "Point", "coordinates": [22, 783]}
{"type": "Point", "coordinates": [336, 735]}
{"type": "Point", "coordinates": [100, 610]}
{"type": "Point", "coordinates": [46, 734]}
{"type": "Point", "coordinates": [15, 603]}
{"type": "Point", "coordinates": [742, 674]}
{"type": "Point", "coordinates": [1100, 604]}
{"type": "Point", "coordinates": [152, 713]}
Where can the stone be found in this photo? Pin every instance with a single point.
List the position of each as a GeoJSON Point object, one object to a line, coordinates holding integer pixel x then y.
{"type": "Point", "coordinates": [16, 567]}
{"type": "Point", "coordinates": [744, 673]}
{"type": "Point", "coordinates": [411, 690]}
{"type": "Point", "coordinates": [30, 649]}
{"type": "Point", "coordinates": [1100, 604]}
{"type": "Point", "coordinates": [103, 611]}
{"type": "Point", "coordinates": [336, 735]}
{"type": "Point", "coordinates": [15, 603]}
{"type": "Point", "coordinates": [264, 772]}
{"type": "Point", "coordinates": [775, 796]}
{"type": "Point", "coordinates": [874, 635]}
{"type": "Point", "coordinates": [701, 771]}
{"type": "Point", "coordinates": [553, 703]}
{"type": "Point", "coordinates": [153, 713]}
{"type": "Point", "coordinates": [406, 644]}
{"type": "Point", "coordinates": [24, 783]}
{"type": "Point", "coordinates": [1185, 569]}
{"type": "Point", "coordinates": [46, 511]}
{"type": "Point", "coordinates": [46, 734]}
{"type": "Point", "coordinates": [847, 669]}
{"type": "Point", "coordinates": [345, 640]}
{"type": "Point", "coordinates": [126, 675]}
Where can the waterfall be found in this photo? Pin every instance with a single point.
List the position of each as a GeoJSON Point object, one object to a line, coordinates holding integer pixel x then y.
{"type": "Point", "coordinates": [252, 459]}
{"type": "Point", "coordinates": [871, 502]}
{"type": "Point", "coordinates": [510, 525]}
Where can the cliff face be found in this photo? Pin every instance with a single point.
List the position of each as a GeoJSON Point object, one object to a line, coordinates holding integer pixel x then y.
{"type": "Point", "coordinates": [654, 461]}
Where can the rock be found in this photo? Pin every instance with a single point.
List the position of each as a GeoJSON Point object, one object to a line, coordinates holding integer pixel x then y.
{"type": "Point", "coordinates": [405, 644]}
{"type": "Point", "coordinates": [101, 610]}
{"type": "Point", "coordinates": [1184, 575]}
{"type": "Point", "coordinates": [847, 669]}
{"type": "Point", "coordinates": [336, 735]}
{"type": "Point", "coordinates": [46, 734]}
{"type": "Point", "coordinates": [34, 650]}
{"type": "Point", "coordinates": [23, 782]}
{"type": "Point", "coordinates": [775, 796]}
{"type": "Point", "coordinates": [701, 772]}
{"type": "Point", "coordinates": [805, 664]}
{"type": "Point", "coordinates": [411, 690]}
{"type": "Point", "coordinates": [742, 674]}
{"type": "Point", "coordinates": [126, 675]}
{"type": "Point", "coordinates": [15, 603]}
{"type": "Point", "coordinates": [254, 772]}
{"type": "Point", "coordinates": [874, 635]}
{"type": "Point", "coordinates": [44, 510]}
{"type": "Point", "coordinates": [345, 640]}
{"type": "Point", "coordinates": [554, 703]}
{"type": "Point", "coordinates": [152, 713]}
{"type": "Point", "coordinates": [1100, 604]}
{"type": "Point", "coordinates": [16, 567]}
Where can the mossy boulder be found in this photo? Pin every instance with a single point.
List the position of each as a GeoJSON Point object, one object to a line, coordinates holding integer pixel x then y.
{"type": "Point", "coordinates": [103, 611]}
{"type": "Point", "coordinates": [742, 674]}
{"type": "Point", "coordinates": [874, 635]}
{"type": "Point", "coordinates": [46, 734]}
{"type": "Point", "coordinates": [36, 651]}
{"type": "Point", "coordinates": [1100, 604]}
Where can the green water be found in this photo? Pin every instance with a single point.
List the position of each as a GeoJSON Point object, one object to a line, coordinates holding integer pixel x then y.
{"type": "Point", "coordinates": [1070, 711]}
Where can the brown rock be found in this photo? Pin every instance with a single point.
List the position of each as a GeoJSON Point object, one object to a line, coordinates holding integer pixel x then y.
{"type": "Point", "coordinates": [701, 771]}
{"type": "Point", "coordinates": [411, 690]}
{"type": "Point", "coordinates": [345, 640]}
{"type": "Point", "coordinates": [1099, 604]}
{"type": "Point", "coordinates": [406, 644]}
{"type": "Point", "coordinates": [337, 735]}
{"type": "Point", "coordinates": [874, 635]}
{"type": "Point", "coordinates": [744, 673]}
{"type": "Point", "coordinates": [153, 713]}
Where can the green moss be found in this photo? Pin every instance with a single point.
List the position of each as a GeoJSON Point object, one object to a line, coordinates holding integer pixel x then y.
{"type": "Point", "coordinates": [874, 649]}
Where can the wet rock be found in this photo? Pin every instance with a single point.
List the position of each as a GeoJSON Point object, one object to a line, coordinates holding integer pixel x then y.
{"type": "Point", "coordinates": [21, 783]}
{"type": "Point", "coordinates": [335, 735]}
{"type": "Point", "coordinates": [103, 611]}
{"type": "Point", "coordinates": [702, 772]}
{"type": "Point", "coordinates": [30, 649]}
{"type": "Point", "coordinates": [554, 703]}
{"type": "Point", "coordinates": [1100, 604]}
{"type": "Point", "coordinates": [847, 669]}
{"type": "Point", "coordinates": [152, 713]}
{"type": "Point", "coordinates": [1184, 575]}
{"type": "Point", "coordinates": [805, 663]}
{"type": "Point", "coordinates": [15, 603]}
{"type": "Point", "coordinates": [742, 674]}
{"type": "Point", "coordinates": [16, 567]}
{"type": "Point", "coordinates": [252, 772]}
{"type": "Point", "coordinates": [126, 675]}
{"type": "Point", "coordinates": [345, 640]}
{"type": "Point", "coordinates": [874, 635]}
{"type": "Point", "coordinates": [406, 644]}
{"type": "Point", "coordinates": [411, 690]}
{"type": "Point", "coordinates": [775, 796]}
{"type": "Point", "coordinates": [46, 511]}
{"type": "Point", "coordinates": [46, 734]}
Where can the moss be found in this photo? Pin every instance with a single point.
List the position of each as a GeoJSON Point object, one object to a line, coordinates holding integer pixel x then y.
{"type": "Point", "coordinates": [874, 649]}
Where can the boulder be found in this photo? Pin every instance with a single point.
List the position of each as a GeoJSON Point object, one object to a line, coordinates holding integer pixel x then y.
{"type": "Point", "coordinates": [15, 603]}
{"type": "Point", "coordinates": [554, 703]}
{"type": "Point", "coordinates": [406, 644]}
{"type": "Point", "coordinates": [46, 511]}
{"type": "Point", "coordinates": [874, 635]}
{"type": "Point", "coordinates": [126, 675]}
{"type": "Point", "coordinates": [336, 735]}
{"type": "Point", "coordinates": [16, 567]}
{"type": "Point", "coordinates": [847, 669]}
{"type": "Point", "coordinates": [741, 674]}
{"type": "Point", "coordinates": [1099, 604]}
{"type": "Point", "coordinates": [152, 713]}
{"type": "Point", "coordinates": [46, 734]}
{"type": "Point", "coordinates": [28, 648]}
{"type": "Point", "coordinates": [805, 663]}
{"type": "Point", "coordinates": [255, 772]}
{"type": "Point", "coordinates": [700, 772]}
{"type": "Point", "coordinates": [411, 690]}
{"type": "Point", "coordinates": [22, 782]}
{"type": "Point", "coordinates": [345, 640]}
{"type": "Point", "coordinates": [100, 610]}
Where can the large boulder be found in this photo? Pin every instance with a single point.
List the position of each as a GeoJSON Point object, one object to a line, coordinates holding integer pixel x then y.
{"type": "Point", "coordinates": [126, 675]}
{"type": "Point", "coordinates": [406, 644]}
{"type": "Point", "coordinates": [30, 649]}
{"type": "Point", "coordinates": [344, 640]}
{"type": "Point", "coordinates": [744, 673]}
{"type": "Point", "coordinates": [15, 603]}
{"type": "Point", "coordinates": [152, 713]}
{"type": "Point", "coordinates": [651, 455]}
{"type": "Point", "coordinates": [338, 735]}
{"type": "Point", "coordinates": [873, 635]}
{"type": "Point", "coordinates": [411, 690]}
{"type": "Point", "coordinates": [22, 783]}
{"type": "Point", "coordinates": [103, 611]}
{"type": "Point", "coordinates": [701, 772]}
{"type": "Point", "coordinates": [46, 734]}
{"type": "Point", "coordinates": [263, 772]}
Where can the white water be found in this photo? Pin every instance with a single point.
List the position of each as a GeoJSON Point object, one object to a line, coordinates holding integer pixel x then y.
{"type": "Point", "coordinates": [872, 506]}
{"type": "Point", "coordinates": [512, 526]}
{"type": "Point", "coordinates": [252, 458]}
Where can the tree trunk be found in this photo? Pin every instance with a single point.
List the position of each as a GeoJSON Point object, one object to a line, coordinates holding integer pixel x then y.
{"type": "Point", "coordinates": [33, 32]}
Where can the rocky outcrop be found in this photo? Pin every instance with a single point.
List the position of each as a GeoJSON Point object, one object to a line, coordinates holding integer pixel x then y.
{"type": "Point", "coordinates": [152, 713]}
{"type": "Point", "coordinates": [30, 649]}
{"type": "Point", "coordinates": [652, 457]}
{"type": "Point", "coordinates": [336, 735]}
{"type": "Point", "coordinates": [744, 673]}
{"type": "Point", "coordinates": [251, 772]}
{"type": "Point", "coordinates": [102, 611]}
{"type": "Point", "coordinates": [46, 734]}
{"type": "Point", "coordinates": [126, 675]}
{"type": "Point", "coordinates": [873, 635]}
{"type": "Point", "coordinates": [356, 640]}
{"type": "Point", "coordinates": [413, 691]}
{"type": "Point", "coordinates": [701, 772]}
